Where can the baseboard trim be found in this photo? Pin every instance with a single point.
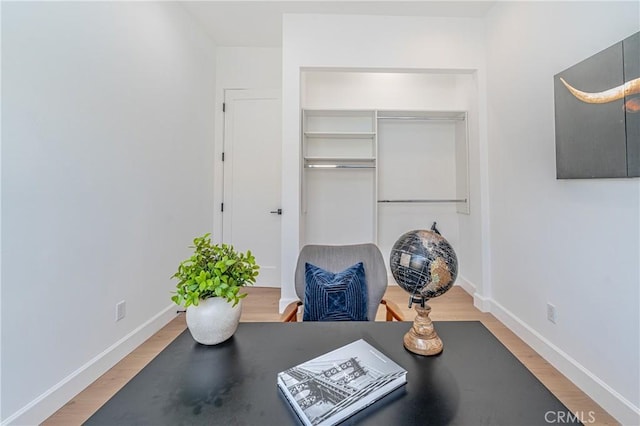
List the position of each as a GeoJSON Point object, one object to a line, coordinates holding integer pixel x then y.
{"type": "Point", "coordinates": [54, 398]}
{"type": "Point", "coordinates": [258, 285]}
{"type": "Point", "coordinates": [466, 285]}
{"type": "Point", "coordinates": [480, 302]}
{"type": "Point", "coordinates": [483, 304]}
{"type": "Point", "coordinates": [615, 404]}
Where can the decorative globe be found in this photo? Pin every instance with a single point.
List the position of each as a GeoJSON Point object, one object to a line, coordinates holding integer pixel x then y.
{"type": "Point", "coordinates": [424, 263]}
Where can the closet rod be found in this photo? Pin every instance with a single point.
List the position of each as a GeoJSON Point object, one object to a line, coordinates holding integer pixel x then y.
{"type": "Point", "coordinates": [336, 166]}
{"type": "Point", "coordinates": [462, 200]}
{"type": "Point", "coordinates": [422, 118]}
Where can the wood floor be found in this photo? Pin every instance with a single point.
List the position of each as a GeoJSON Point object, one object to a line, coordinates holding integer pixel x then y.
{"type": "Point", "coordinates": [262, 306]}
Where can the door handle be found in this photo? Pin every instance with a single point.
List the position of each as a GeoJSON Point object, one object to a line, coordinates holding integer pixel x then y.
{"type": "Point", "coordinates": [279, 211]}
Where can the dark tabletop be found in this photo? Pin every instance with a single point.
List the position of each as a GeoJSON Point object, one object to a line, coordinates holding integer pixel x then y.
{"type": "Point", "coordinates": [475, 381]}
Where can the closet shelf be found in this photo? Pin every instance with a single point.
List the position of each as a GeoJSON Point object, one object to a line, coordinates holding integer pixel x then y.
{"type": "Point", "coordinates": [348, 113]}
{"type": "Point", "coordinates": [339, 159]}
{"type": "Point", "coordinates": [339, 163]}
{"type": "Point", "coordinates": [339, 166]}
{"type": "Point", "coordinates": [422, 118]}
{"type": "Point", "coordinates": [435, 200]}
{"type": "Point", "coordinates": [340, 135]}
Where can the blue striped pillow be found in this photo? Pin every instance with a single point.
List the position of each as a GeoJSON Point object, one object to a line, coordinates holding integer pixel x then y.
{"type": "Point", "coordinates": [335, 297]}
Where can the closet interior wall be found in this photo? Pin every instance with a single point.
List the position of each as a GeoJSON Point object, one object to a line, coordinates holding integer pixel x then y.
{"type": "Point", "coordinates": [382, 154]}
{"type": "Point", "coordinates": [421, 176]}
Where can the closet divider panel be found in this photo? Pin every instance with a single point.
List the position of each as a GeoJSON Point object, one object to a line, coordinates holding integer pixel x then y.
{"type": "Point", "coordinates": [462, 166]}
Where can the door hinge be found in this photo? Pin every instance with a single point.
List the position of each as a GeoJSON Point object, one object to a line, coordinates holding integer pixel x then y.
{"type": "Point", "coordinates": [224, 107]}
{"type": "Point", "coordinates": [223, 156]}
{"type": "Point", "coordinates": [221, 207]}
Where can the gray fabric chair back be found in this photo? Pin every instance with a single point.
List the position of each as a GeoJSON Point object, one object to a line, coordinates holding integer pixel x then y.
{"type": "Point", "coordinates": [338, 258]}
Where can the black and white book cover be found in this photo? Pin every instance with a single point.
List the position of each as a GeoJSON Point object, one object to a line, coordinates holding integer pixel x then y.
{"type": "Point", "coordinates": [328, 389]}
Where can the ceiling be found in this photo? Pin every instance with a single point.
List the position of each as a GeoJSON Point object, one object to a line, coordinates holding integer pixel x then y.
{"type": "Point", "coordinates": [259, 23]}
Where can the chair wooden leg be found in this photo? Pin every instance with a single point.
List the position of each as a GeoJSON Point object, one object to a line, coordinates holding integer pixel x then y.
{"type": "Point", "coordinates": [291, 312]}
{"type": "Point", "coordinates": [393, 311]}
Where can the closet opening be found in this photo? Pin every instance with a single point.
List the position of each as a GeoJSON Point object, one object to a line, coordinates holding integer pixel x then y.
{"type": "Point", "coordinates": [383, 153]}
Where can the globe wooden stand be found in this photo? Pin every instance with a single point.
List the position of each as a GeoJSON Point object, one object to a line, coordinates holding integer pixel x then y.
{"type": "Point", "coordinates": [422, 338]}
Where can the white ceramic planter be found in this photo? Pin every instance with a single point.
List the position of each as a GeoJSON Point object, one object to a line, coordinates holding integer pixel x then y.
{"type": "Point", "coordinates": [213, 321]}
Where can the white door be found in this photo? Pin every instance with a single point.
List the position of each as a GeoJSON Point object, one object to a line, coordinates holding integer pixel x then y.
{"type": "Point", "coordinates": [252, 155]}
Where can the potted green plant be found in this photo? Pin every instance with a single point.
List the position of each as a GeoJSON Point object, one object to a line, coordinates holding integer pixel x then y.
{"type": "Point", "coordinates": [209, 284]}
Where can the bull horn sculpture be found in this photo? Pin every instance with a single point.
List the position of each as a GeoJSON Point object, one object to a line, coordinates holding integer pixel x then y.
{"type": "Point", "coordinates": [631, 87]}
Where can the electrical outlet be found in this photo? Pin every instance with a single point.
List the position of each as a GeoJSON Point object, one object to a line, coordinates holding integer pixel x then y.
{"type": "Point", "coordinates": [552, 314]}
{"type": "Point", "coordinates": [121, 310]}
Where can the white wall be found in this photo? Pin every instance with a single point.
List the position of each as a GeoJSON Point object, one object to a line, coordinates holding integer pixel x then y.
{"type": "Point", "coordinates": [249, 67]}
{"type": "Point", "coordinates": [107, 141]}
{"type": "Point", "coordinates": [474, 252]}
{"type": "Point", "coordinates": [574, 243]}
{"type": "Point", "coordinates": [428, 91]}
{"type": "Point", "coordinates": [240, 68]}
{"type": "Point", "coordinates": [370, 43]}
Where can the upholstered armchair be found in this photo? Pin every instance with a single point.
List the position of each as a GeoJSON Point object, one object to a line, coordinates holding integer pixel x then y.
{"type": "Point", "coordinates": [335, 259]}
